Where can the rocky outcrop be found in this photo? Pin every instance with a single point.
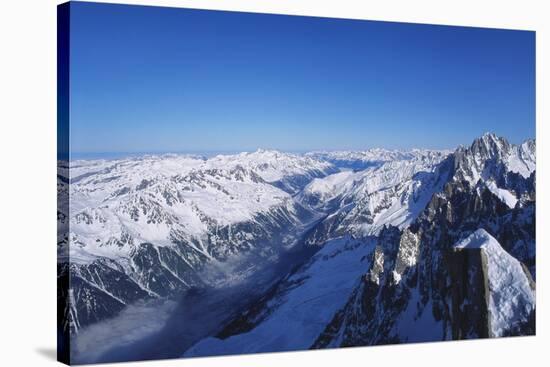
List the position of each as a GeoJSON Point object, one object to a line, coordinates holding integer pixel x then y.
{"type": "Point", "coordinates": [469, 294]}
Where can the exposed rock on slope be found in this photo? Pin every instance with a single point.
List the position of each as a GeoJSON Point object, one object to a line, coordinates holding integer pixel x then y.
{"type": "Point", "coordinates": [460, 268]}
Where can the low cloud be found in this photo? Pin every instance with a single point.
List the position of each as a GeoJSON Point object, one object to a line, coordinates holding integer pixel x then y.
{"type": "Point", "coordinates": [134, 323]}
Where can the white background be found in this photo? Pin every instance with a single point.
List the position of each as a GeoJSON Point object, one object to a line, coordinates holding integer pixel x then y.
{"type": "Point", "coordinates": [28, 183]}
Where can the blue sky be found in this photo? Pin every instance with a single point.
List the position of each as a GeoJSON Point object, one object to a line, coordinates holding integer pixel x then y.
{"type": "Point", "coordinates": [152, 79]}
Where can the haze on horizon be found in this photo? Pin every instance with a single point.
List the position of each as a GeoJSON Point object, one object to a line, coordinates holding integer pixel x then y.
{"type": "Point", "coordinates": [154, 79]}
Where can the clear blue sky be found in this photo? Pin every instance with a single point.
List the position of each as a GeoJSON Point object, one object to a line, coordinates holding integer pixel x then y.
{"type": "Point", "coordinates": [152, 79]}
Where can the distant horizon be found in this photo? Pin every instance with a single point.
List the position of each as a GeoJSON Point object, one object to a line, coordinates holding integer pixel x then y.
{"type": "Point", "coordinates": [209, 153]}
{"type": "Point", "coordinates": [213, 153]}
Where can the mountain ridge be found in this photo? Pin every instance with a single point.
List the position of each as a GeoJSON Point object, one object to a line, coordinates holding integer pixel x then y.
{"type": "Point", "coordinates": [416, 287]}
{"type": "Point", "coordinates": [156, 227]}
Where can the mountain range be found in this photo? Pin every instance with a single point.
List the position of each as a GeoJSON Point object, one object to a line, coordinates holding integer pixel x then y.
{"type": "Point", "coordinates": [347, 248]}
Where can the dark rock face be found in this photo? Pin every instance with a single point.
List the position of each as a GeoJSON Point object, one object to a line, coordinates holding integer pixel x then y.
{"type": "Point", "coordinates": [469, 294]}
{"type": "Point", "coordinates": [91, 304]}
{"type": "Point", "coordinates": [517, 234]}
{"type": "Point", "coordinates": [367, 318]}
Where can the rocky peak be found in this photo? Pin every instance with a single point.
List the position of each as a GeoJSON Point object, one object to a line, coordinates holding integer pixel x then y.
{"type": "Point", "coordinates": [490, 145]}
{"type": "Point", "coordinates": [502, 166]}
{"type": "Point", "coordinates": [485, 148]}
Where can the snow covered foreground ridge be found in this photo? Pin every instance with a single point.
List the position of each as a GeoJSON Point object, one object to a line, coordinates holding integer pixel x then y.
{"type": "Point", "coordinates": [511, 290]}
{"type": "Point", "coordinates": [383, 240]}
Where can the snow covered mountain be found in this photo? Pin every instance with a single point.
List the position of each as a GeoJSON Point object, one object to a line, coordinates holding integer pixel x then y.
{"type": "Point", "coordinates": [359, 160]}
{"type": "Point", "coordinates": [362, 203]}
{"type": "Point", "coordinates": [505, 169]}
{"type": "Point", "coordinates": [393, 246]}
{"type": "Point", "coordinates": [147, 227]}
{"type": "Point", "coordinates": [463, 267]}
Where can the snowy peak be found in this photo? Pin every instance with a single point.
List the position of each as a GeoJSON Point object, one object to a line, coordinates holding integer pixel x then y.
{"type": "Point", "coordinates": [489, 145]}
{"type": "Point", "coordinates": [505, 169]}
{"type": "Point", "coordinates": [490, 153]}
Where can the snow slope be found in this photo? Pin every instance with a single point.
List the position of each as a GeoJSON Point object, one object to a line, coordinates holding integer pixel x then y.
{"type": "Point", "coordinates": [511, 298]}
{"type": "Point", "coordinates": [304, 303]}
{"type": "Point", "coordinates": [506, 196]}
{"type": "Point", "coordinates": [393, 193]}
